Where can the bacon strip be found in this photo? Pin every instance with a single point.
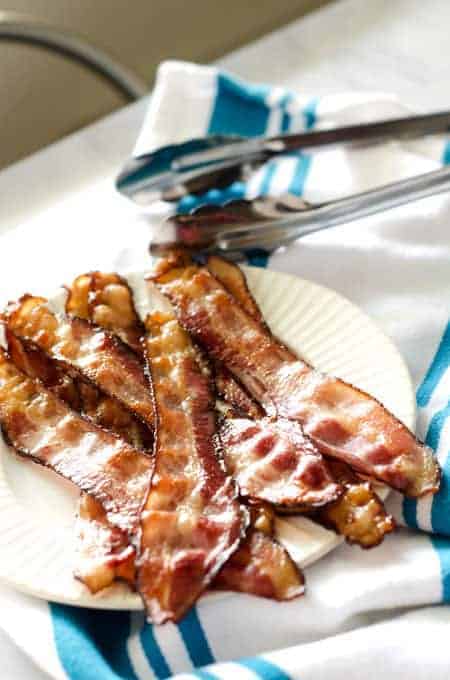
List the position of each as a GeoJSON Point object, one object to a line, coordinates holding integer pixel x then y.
{"type": "Point", "coordinates": [79, 394]}
{"type": "Point", "coordinates": [104, 552]}
{"type": "Point", "coordinates": [343, 422]}
{"type": "Point", "coordinates": [41, 427]}
{"type": "Point", "coordinates": [234, 395]}
{"type": "Point", "coordinates": [77, 303]}
{"type": "Point", "coordinates": [359, 514]}
{"type": "Point", "coordinates": [192, 521]}
{"type": "Point", "coordinates": [273, 461]}
{"type": "Point", "coordinates": [262, 567]}
{"type": "Point", "coordinates": [92, 352]}
{"type": "Point", "coordinates": [102, 555]}
{"type": "Point", "coordinates": [233, 280]}
{"type": "Point", "coordinates": [107, 301]}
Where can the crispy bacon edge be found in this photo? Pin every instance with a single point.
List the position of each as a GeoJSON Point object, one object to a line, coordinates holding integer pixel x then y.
{"type": "Point", "coordinates": [81, 395]}
{"type": "Point", "coordinates": [102, 557]}
{"type": "Point", "coordinates": [262, 567]}
{"type": "Point", "coordinates": [192, 521]}
{"type": "Point", "coordinates": [44, 429]}
{"type": "Point", "coordinates": [78, 345]}
{"type": "Point", "coordinates": [359, 515]}
{"type": "Point", "coordinates": [104, 552]}
{"type": "Point", "coordinates": [287, 386]}
{"type": "Point", "coordinates": [233, 279]}
{"type": "Point", "coordinates": [106, 300]}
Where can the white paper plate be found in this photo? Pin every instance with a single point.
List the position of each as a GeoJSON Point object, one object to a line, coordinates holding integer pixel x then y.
{"type": "Point", "coordinates": [37, 507]}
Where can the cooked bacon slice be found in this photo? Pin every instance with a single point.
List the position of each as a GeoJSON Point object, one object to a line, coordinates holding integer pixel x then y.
{"type": "Point", "coordinates": [262, 567]}
{"type": "Point", "coordinates": [273, 461]}
{"type": "Point", "coordinates": [104, 552]}
{"type": "Point", "coordinates": [92, 352]}
{"type": "Point", "coordinates": [77, 303]}
{"type": "Point", "coordinates": [262, 518]}
{"type": "Point", "coordinates": [79, 394]}
{"type": "Point", "coordinates": [228, 388]}
{"type": "Point", "coordinates": [192, 521]}
{"type": "Point", "coordinates": [41, 427]}
{"type": "Point", "coordinates": [359, 514]}
{"type": "Point", "coordinates": [232, 278]}
{"type": "Point", "coordinates": [343, 422]}
{"type": "Point", "coordinates": [107, 301]}
{"type": "Point", "coordinates": [234, 395]}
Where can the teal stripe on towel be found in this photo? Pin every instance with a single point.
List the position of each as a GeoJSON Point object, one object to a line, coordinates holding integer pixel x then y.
{"type": "Point", "coordinates": [440, 509]}
{"type": "Point", "coordinates": [434, 374]}
{"type": "Point", "coordinates": [440, 362]}
{"type": "Point", "coordinates": [446, 154]}
{"type": "Point", "coordinates": [195, 639]}
{"type": "Point", "coordinates": [285, 117]}
{"type": "Point", "coordinates": [410, 512]}
{"type": "Point", "coordinates": [297, 184]}
{"type": "Point", "coordinates": [442, 547]}
{"type": "Point", "coordinates": [153, 653]}
{"type": "Point", "coordinates": [239, 108]}
{"type": "Point", "coordinates": [91, 644]}
{"type": "Point", "coordinates": [257, 257]}
{"type": "Point", "coordinates": [266, 670]}
{"type": "Point", "coordinates": [310, 113]}
{"type": "Point", "coordinates": [268, 173]}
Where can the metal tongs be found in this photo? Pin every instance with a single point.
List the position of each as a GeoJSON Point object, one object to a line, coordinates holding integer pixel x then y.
{"type": "Point", "coordinates": [195, 166]}
{"type": "Point", "coordinates": [268, 223]}
{"type": "Point", "coordinates": [214, 162]}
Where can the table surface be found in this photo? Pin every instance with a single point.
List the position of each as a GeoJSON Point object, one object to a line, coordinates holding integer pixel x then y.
{"type": "Point", "coordinates": [357, 45]}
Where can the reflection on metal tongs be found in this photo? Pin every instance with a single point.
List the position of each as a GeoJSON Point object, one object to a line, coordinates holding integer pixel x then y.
{"type": "Point", "coordinates": [195, 166]}
{"type": "Point", "coordinates": [268, 222]}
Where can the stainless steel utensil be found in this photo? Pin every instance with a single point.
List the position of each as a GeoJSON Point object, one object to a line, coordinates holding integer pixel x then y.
{"type": "Point", "coordinates": [216, 161]}
{"type": "Point", "coordinates": [271, 222]}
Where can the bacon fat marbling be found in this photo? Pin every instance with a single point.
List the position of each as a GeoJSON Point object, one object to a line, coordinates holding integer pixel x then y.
{"type": "Point", "coordinates": [343, 422]}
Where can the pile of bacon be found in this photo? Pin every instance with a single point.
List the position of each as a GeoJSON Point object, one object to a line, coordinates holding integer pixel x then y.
{"type": "Point", "coordinates": [186, 432]}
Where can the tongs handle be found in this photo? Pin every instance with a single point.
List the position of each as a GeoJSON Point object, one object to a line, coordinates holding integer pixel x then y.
{"type": "Point", "coordinates": [400, 128]}
{"type": "Point", "coordinates": [295, 225]}
{"type": "Point", "coordinates": [368, 133]}
{"type": "Point", "coordinates": [195, 166]}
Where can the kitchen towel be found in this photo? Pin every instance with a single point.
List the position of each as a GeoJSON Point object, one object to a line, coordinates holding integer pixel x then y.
{"type": "Point", "coordinates": [367, 614]}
